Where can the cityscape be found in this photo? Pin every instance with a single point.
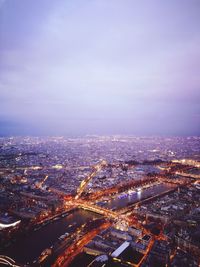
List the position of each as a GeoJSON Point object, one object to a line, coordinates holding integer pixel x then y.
{"type": "Point", "coordinates": [100, 133]}
{"type": "Point", "coordinates": [100, 201]}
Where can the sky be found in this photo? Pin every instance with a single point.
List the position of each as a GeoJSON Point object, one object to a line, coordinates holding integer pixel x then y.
{"type": "Point", "coordinates": [76, 67]}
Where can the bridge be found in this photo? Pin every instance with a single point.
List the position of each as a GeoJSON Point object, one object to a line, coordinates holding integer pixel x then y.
{"type": "Point", "coordinates": [122, 220]}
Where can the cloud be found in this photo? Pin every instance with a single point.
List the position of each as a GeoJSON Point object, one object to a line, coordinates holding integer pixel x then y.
{"type": "Point", "coordinates": [2, 2]}
{"type": "Point", "coordinates": [87, 60]}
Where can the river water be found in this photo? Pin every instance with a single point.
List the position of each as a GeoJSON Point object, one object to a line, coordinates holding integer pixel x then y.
{"type": "Point", "coordinates": [29, 247]}
{"type": "Point", "coordinates": [125, 199]}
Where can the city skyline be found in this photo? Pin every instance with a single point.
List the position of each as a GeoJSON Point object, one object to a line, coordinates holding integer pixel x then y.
{"type": "Point", "coordinates": [134, 200]}
{"type": "Point", "coordinates": [99, 67]}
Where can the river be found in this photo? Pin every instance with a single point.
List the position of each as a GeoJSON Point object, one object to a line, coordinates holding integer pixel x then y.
{"type": "Point", "coordinates": [29, 247]}
{"type": "Point", "coordinates": [124, 199]}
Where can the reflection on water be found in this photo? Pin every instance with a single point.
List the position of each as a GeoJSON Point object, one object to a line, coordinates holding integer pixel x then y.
{"type": "Point", "coordinates": [30, 247]}
{"type": "Point", "coordinates": [132, 197]}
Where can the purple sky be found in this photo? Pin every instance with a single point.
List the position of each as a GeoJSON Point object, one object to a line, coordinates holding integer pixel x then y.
{"type": "Point", "coordinates": [100, 67]}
